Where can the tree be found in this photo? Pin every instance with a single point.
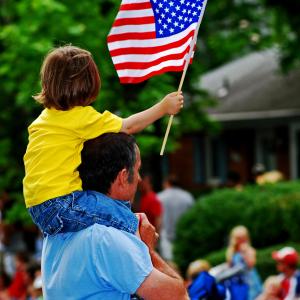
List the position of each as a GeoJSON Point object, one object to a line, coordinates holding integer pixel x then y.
{"type": "Point", "coordinates": [287, 24]}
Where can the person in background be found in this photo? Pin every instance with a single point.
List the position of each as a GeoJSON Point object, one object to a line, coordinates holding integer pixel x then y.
{"type": "Point", "coordinates": [175, 202]}
{"type": "Point", "coordinates": [34, 288]}
{"type": "Point", "coordinates": [195, 268]}
{"type": "Point", "coordinates": [272, 289]}
{"type": "Point", "coordinates": [286, 263]}
{"type": "Point", "coordinates": [240, 252]}
{"type": "Point", "coordinates": [18, 286]}
{"type": "Point", "coordinates": [202, 285]}
{"type": "Point", "coordinates": [150, 203]}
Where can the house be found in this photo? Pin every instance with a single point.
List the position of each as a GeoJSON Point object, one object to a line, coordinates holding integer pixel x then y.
{"type": "Point", "coordinates": [259, 112]}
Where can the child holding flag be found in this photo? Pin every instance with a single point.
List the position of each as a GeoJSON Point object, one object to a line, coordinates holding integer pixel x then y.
{"type": "Point", "coordinates": [52, 186]}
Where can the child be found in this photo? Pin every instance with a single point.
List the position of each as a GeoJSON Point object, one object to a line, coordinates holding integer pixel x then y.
{"type": "Point", "coordinates": [286, 263]}
{"type": "Point", "coordinates": [70, 83]}
{"type": "Point", "coordinates": [240, 252]}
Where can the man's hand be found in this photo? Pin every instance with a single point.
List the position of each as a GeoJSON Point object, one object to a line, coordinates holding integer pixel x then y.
{"type": "Point", "coordinates": [147, 231]}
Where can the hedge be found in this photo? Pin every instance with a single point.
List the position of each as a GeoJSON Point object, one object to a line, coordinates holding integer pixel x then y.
{"type": "Point", "coordinates": [270, 212]}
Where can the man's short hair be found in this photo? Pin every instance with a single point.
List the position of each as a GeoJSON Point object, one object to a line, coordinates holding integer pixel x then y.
{"type": "Point", "coordinates": [104, 157]}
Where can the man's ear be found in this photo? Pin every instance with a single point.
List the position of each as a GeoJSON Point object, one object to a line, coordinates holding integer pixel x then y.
{"type": "Point", "coordinates": [123, 177]}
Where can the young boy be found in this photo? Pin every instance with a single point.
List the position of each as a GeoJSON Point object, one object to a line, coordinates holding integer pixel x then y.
{"type": "Point", "coordinates": [70, 83]}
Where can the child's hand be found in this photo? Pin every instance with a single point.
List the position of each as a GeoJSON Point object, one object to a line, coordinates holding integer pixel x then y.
{"type": "Point", "coordinates": [172, 103]}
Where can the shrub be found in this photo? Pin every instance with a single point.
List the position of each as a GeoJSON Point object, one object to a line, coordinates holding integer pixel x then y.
{"type": "Point", "coordinates": [270, 213]}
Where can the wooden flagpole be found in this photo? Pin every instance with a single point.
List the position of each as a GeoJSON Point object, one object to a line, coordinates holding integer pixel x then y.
{"type": "Point", "coordinates": [187, 62]}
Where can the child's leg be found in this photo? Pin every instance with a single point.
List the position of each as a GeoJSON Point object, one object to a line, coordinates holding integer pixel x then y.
{"type": "Point", "coordinates": [81, 209]}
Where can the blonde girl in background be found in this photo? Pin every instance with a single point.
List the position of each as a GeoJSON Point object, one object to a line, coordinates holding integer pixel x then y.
{"type": "Point", "coordinates": [240, 252]}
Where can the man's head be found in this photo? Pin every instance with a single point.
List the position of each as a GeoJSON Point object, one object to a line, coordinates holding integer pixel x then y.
{"type": "Point", "coordinates": [286, 259]}
{"type": "Point", "coordinates": [170, 181]}
{"type": "Point", "coordinates": [110, 165]}
{"type": "Point", "coordinates": [145, 185]}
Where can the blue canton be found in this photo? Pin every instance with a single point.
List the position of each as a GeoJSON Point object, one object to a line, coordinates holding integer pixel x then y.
{"type": "Point", "coordinates": [174, 16]}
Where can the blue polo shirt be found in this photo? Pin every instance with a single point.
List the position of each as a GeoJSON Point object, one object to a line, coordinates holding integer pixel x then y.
{"type": "Point", "coordinates": [98, 262]}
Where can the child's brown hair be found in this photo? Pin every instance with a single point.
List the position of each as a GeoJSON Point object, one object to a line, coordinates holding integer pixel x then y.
{"type": "Point", "coordinates": [69, 77]}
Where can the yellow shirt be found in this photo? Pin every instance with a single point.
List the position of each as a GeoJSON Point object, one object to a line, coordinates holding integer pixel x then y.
{"type": "Point", "coordinates": [54, 150]}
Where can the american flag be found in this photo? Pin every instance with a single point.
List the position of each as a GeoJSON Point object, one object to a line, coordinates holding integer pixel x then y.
{"type": "Point", "coordinates": [150, 37]}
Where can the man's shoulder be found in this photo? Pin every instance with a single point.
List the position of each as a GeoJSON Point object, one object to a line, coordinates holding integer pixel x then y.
{"type": "Point", "coordinates": [111, 232]}
{"type": "Point", "coordinates": [175, 193]}
{"type": "Point", "coordinates": [95, 232]}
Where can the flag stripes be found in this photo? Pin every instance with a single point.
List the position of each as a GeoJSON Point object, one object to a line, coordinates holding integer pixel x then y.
{"type": "Point", "coordinates": [137, 51]}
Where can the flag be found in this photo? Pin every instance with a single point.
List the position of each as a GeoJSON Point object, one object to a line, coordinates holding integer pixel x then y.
{"type": "Point", "coordinates": [151, 37]}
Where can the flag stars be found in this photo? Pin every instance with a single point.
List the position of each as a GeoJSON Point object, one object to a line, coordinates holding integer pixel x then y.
{"type": "Point", "coordinates": [175, 16]}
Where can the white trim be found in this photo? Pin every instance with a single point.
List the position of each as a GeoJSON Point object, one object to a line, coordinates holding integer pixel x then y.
{"type": "Point", "coordinates": [254, 115]}
{"type": "Point", "coordinates": [294, 128]}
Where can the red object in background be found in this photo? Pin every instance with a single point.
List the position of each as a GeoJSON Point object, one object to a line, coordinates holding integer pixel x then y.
{"type": "Point", "coordinates": [151, 206]}
{"type": "Point", "coordinates": [18, 286]}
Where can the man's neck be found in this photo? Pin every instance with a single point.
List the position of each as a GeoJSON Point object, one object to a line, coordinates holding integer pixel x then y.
{"type": "Point", "coordinates": [289, 273]}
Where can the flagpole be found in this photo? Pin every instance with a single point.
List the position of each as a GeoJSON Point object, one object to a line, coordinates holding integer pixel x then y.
{"type": "Point", "coordinates": [188, 58]}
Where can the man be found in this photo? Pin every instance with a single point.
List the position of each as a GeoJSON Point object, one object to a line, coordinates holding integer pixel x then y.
{"type": "Point", "coordinates": [102, 262]}
{"type": "Point", "coordinates": [175, 201]}
{"type": "Point", "coordinates": [150, 204]}
{"type": "Point", "coordinates": [287, 260]}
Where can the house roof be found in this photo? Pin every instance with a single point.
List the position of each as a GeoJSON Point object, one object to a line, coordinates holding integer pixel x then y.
{"type": "Point", "coordinates": [253, 87]}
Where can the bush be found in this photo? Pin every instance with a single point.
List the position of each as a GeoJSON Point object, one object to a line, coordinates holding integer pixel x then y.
{"type": "Point", "coordinates": [270, 213]}
{"type": "Point", "coordinates": [18, 212]}
{"type": "Point", "coordinates": [265, 264]}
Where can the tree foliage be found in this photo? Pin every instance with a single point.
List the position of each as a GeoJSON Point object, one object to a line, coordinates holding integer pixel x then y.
{"type": "Point", "coordinates": [287, 28]}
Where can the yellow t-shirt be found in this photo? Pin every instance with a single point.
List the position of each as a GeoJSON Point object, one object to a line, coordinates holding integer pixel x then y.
{"type": "Point", "coordinates": [54, 150]}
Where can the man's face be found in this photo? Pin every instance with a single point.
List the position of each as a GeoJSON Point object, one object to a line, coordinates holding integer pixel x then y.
{"type": "Point", "coordinates": [282, 267]}
{"type": "Point", "coordinates": [132, 185]}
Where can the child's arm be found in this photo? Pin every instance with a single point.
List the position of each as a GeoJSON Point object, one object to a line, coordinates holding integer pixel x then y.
{"type": "Point", "coordinates": [170, 104]}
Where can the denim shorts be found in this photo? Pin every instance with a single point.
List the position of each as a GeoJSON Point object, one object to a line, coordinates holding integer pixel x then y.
{"type": "Point", "coordinates": [81, 209]}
